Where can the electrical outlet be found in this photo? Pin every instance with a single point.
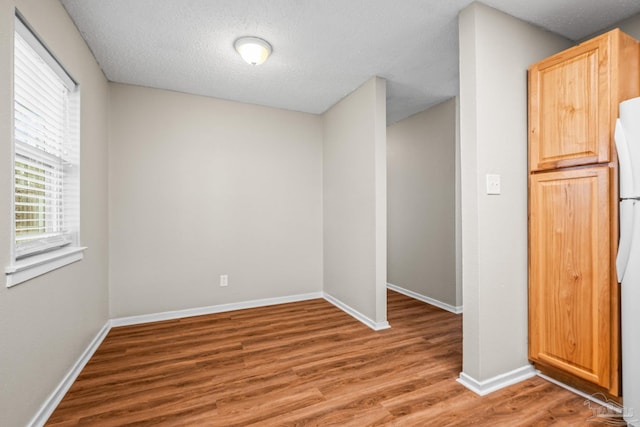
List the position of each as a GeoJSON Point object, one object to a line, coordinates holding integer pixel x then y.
{"type": "Point", "coordinates": [493, 184]}
{"type": "Point", "coordinates": [224, 280]}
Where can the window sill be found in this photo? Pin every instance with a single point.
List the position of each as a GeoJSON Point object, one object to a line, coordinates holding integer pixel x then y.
{"type": "Point", "coordinates": [37, 265]}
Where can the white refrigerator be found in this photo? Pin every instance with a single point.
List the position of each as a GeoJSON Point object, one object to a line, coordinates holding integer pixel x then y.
{"type": "Point", "coordinates": [627, 136]}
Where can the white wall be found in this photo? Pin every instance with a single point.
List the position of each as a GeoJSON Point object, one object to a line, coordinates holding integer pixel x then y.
{"type": "Point", "coordinates": [631, 26]}
{"type": "Point", "coordinates": [421, 178]}
{"type": "Point", "coordinates": [354, 202]}
{"type": "Point", "coordinates": [495, 53]}
{"type": "Point", "coordinates": [201, 187]}
{"type": "Point", "coordinates": [46, 323]}
{"type": "Point", "coordinates": [458, 183]}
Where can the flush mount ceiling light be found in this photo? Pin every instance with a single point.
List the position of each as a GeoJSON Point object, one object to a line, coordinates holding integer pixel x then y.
{"type": "Point", "coordinates": [253, 50]}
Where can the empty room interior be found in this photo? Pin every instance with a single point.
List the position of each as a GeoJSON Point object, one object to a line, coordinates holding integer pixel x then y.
{"type": "Point", "coordinates": [347, 228]}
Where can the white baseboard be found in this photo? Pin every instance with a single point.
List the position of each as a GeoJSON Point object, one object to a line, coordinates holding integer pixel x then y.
{"type": "Point", "coordinates": [443, 305]}
{"type": "Point", "coordinates": [496, 383]}
{"type": "Point", "coordinates": [376, 326]}
{"type": "Point", "coordinates": [179, 314]}
{"type": "Point", "coordinates": [614, 406]}
{"type": "Point", "coordinates": [54, 398]}
{"type": "Point", "coordinates": [220, 308]}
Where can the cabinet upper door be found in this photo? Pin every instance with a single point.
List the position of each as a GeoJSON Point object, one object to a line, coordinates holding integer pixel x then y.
{"type": "Point", "coordinates": [569, 107]}
{"type": "Point", "coordinates": [570, 318]}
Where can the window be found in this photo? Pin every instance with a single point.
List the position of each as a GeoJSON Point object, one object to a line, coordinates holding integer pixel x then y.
{"type": "Point", "coordinates": [46, 161]}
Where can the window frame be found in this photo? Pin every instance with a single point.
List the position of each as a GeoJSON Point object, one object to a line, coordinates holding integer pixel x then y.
{"type": "Point", "coordinates": [44, 259]}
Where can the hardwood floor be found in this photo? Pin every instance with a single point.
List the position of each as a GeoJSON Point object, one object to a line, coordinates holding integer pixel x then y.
{"type": "Point", "coordinates": [300, 364]}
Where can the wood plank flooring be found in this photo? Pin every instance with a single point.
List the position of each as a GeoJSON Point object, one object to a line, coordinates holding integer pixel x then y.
{"type": "Point", "coordinates": [300, 364]}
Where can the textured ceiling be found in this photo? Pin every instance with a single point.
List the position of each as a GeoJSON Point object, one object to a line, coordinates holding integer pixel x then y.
{"type": "Point", "coordinates": [322, 49]}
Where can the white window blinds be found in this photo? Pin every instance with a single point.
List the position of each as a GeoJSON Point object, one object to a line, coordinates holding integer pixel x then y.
{"type": "Point", "coordinates": [46, 153]}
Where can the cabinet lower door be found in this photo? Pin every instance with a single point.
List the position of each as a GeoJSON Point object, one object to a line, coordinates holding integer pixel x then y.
{"type": "Point", "coordinates": [569, 272]}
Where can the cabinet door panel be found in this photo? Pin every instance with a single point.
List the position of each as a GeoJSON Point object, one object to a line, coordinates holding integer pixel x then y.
{"type": "Point", "coordinates": [569, 286]}
{"type": "Point", "coordinates": [569, 107]}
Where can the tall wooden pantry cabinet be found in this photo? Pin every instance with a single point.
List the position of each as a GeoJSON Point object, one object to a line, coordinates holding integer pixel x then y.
{"type": "Point", "coordinates": [574, 315]}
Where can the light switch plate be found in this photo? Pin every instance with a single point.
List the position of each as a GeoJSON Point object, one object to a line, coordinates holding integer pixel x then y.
{"type": "Point", "coordinates": [493, 183]}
